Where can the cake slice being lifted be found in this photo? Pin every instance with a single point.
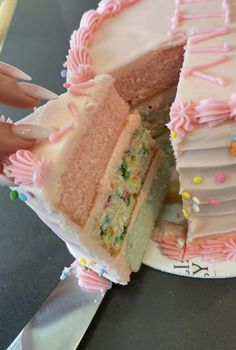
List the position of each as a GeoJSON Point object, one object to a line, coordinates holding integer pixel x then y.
{"type": "Point", "coordinates": [98, 181]}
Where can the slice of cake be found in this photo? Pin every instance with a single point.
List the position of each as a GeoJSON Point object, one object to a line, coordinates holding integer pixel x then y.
{"type": "Point", "coordinates": [99, 180]}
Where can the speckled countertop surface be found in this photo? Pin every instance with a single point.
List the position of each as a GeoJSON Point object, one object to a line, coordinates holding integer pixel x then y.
{"type": "Point", "coordinates": [156, 310]}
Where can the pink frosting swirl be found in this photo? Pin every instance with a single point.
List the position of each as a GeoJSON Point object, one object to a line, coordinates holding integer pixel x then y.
{"type": "Point", "coordinates": [91, 281]}
{"type": "Point", "coordinates": [213, 112]}
{"type": "Point", "coordinates": [169, 246]}
{"type": "Point", "coordinates": [77, 55]}
{"type": "Point", "coordinates": [80, 37]}
{"type": "Point", "coordinates": [26, 169]}
{"type": "Point", "coordinates": [215, 250]}
{"type": "Point", "coordinates": [91, 20]}
{"type": "Point", "coordinates": [182, 117]}
{"type": "Point", "coordinates": [84, 73]}
{"type": "Point", "coordinates": [109, 8]}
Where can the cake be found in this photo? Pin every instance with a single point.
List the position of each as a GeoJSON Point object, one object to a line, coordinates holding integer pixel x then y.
{"type": "Point", "coordinates": [184, 50]}
{"type": "Point", "coordinates": [129, 61]}
{"type": "Point", "coordinates": [95, 180]}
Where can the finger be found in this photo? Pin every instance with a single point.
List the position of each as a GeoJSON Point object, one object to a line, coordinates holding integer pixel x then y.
{"type": "Point", "coordinates": [13, 72]}
{"type": "Point", "coordinates": [11, 95]}
{"type": "Point", "coordinates": [10, 142]}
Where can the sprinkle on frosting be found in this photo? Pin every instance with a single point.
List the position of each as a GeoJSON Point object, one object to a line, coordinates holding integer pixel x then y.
{"type": "Point", "coordinates": [185, 213]}
{"type": "Point", "coordinates": [220, 178]}
{"type": "Point", "coordinates": [22, 197]}
{"type": "Point", "coordinates": [197, 180]}
{"type": "Point", "coordinates": [82, 262]}
{"type": "Point", "coordinates": [186, 195]}
{"type": "Point", "coordinates": [214, 201]}
{"type": "Point", "coordinates": [14, 195]}
{"type": "Point", "coordinates": [233, 148]}
{"type": "Point", "coordinates": [196, 200]}
{"type": "Point", "coordinates": [195, 208]}
{"type": "Point", "coordinates": [26, 169]}
{"type": "Point", "coordinates": [173, 135]}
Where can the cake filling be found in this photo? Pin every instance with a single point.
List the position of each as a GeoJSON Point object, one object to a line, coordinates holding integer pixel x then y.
{"type": "Point", "coordinates": [125, 184]}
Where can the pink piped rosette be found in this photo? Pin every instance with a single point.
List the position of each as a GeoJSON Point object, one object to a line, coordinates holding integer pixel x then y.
{"type": "Point", "coordinates": [26, 169]}
{"type": "Point", "coordinates": [88, 280]}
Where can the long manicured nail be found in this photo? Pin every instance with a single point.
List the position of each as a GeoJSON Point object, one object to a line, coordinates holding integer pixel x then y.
{"type": "Point", "coordinates": [13, 72]}
{"type": "Point", "coordinates": [37, 91]}
{"type": "Point", "coordinates": [31, 132]}
{"type": "Point", "coordinates": [4, 181]}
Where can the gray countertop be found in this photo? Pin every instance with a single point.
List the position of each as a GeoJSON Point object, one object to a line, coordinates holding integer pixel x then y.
{"type": "Point", "coordinates": [156, 310]}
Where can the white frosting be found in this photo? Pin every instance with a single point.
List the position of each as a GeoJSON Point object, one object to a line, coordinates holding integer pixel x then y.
{"type": "Point", "coordinates": [206, 151]}
{"type": "Point", "coordinates": [135, 31]}
{"type": "Point", "coordinates": [55, 114]}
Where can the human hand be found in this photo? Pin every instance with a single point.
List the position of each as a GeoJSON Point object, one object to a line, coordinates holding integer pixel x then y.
{"type": "Point", "coordinates": [20, 94]}
{"type": "Point", "coordinates": [23, 95]}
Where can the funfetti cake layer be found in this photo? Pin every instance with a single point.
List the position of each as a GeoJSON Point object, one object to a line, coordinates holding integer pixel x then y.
{"type": "Point", "coordinates": [92, 179]}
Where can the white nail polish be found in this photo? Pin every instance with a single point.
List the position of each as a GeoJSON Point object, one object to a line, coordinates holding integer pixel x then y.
{"type": "Point", "coordinates": [37, 91]}
{"type": "Point", "coordinates": [36, 132]}
{"type": "Point", "coordinates": [13, 72]}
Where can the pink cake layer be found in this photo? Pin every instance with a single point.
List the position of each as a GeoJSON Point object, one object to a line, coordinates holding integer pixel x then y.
{"type": "Point", "coordinates": [154, 73]}
{"type": "Point", "coordinates": [87, 164]}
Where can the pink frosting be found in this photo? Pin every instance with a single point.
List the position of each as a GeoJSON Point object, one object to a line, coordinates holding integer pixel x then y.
{"type": "Point", "coordinates": [186, 116]}
{"type": "Point", "coordinates": [207, 34]}
{"type": "Point", "coordinates": [73, 109]}
{"type": "Point", "coordinates": [218, 250]}
{"type": "Point", "coordinates": [182, 117]}
{"type": "Point", "coordinates": [91, 20]}
{"type": "Point", "coordinates": [91, 281]}
{"type": "Point", "coordinates": [213, 250]}
{"type": "Point", "coordinates": [197, 70]}
{"type": "Point", "coordinates": [213, 112]}
{"type": "Point", "coordinates": [57, 135]}
{"type": "Point", "coordinates": [169, 246]}
{"type": "Point", "coordinates": [209, 249]}
{"type": "Point", "coordinates": [81, 88]}
{"type": "Point", "coordinates": [26, 169]}
{"type": "Point", "coordinates": [81, 37]}
{"type": "Point", "coordinates": [227, 7]}
{"type": "Point", "coordinates": [109, 8]}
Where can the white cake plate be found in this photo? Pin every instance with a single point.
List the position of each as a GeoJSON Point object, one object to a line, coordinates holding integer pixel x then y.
{"type": "Point", "coordinates": [195, 268]}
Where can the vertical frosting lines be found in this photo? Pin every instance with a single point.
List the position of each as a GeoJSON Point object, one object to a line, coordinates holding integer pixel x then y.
{"type": "Point", "coordinates": [209, 54]}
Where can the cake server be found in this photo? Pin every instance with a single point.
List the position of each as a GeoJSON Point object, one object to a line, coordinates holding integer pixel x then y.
{"type": "Point", "coordinates": [62, 320]}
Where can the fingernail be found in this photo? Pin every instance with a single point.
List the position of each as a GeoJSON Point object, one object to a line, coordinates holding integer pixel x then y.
{"type": "Point", "coordinates": [37, 91]}
{"type": "Point", "coordinates": [31, 132]}
{"type": "Point", "coordinates": [13, 72]}
{"type": "Point", "coordinates": [4, 181]}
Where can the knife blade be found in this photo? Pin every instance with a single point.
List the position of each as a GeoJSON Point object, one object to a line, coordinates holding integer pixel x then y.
{"type": "Point", "coordinates": [62, 320]}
